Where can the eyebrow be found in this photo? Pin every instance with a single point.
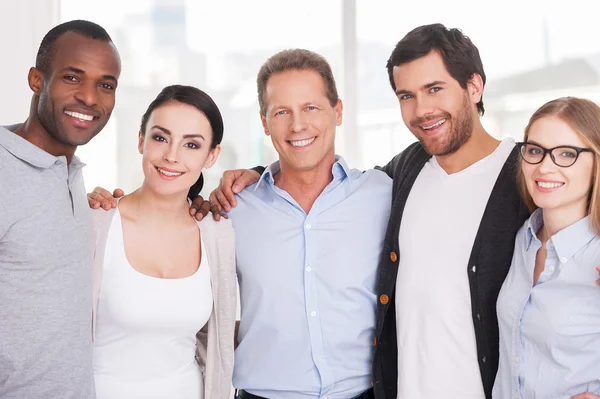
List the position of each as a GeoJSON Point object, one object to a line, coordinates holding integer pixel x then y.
{"type": "Point", "coordinates": [424, 87]}
{"type": "Point", "coordinates": [82, 72]}
{"type": "Point", "coordinates": [168, 132]}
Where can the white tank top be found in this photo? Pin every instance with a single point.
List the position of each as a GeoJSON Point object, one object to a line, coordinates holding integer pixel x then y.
{"type": "Point", "coordinates": [146, 328]}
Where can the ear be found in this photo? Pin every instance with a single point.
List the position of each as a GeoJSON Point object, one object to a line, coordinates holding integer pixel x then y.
{"type": "Point", "coordinates": [339, 108]}
{"type": "Point", "coordinates": [140, 142]}
{"type": "Point", "coordinates": [35, 79]}
{"type": "Point", "coordinates": [475, 88]}
{"type": "Point", "coordinates": [213, 154]}
{"type": "Point", "coordinates": [263, 120]}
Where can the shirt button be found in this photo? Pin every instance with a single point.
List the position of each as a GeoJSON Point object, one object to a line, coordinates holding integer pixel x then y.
{"type": "Point", "coordinates": [319, 358]}
{"type": "Point", "coordinates": [484, 359]}
{"type": "Point", "coordinates": [563, 260]}
{"type": "Point", "coordinates": [473, 269]}
{"type": "Point", "coordinates": [551, 268]}
{"type": "Point", "coordinates": [308, 269]}
{"type": "Point", "coordinates": [384, 299]}
{"type": "Point", "coordinates": [393, 256]}
{"type": "Point", "coordinates": [516, 359]}
{"type": "Point", "coordinates": [308, 226]}
{"type": "Point", "coordinates": [313, 313]}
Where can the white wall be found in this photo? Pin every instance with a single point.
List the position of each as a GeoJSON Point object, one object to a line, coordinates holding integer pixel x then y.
{"type": "Point", "coordinates": [24, 24]}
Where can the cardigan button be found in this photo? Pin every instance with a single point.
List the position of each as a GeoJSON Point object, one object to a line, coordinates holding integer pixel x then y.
{"type": "Point", "coordinates": [393, 256]}
{"type": "Point", "coordinates": [384, 299]}
{"type": "Point", "coordinates": [374, 341]}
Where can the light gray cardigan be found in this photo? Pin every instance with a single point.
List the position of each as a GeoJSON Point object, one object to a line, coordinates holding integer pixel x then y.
{"type": "Point", "coordinates": [214, 351]}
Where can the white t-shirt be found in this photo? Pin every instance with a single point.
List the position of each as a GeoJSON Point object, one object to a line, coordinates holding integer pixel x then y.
{"type": "Point", "coordinates": [437, 356]}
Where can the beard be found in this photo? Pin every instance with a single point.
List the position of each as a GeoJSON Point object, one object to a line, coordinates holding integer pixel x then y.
{"type": "Point", "coordinates": [461, 129]}
{"type": "Point", "coordinates": [47, 117]}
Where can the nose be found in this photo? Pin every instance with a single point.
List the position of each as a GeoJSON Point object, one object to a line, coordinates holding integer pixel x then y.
{"type": "Point", "coordinates": [87, 94]}
{"type": "Point", "coordinates": [171, 155]}
{"type": "Point", "coordinates": [547, 165]}
{"type": "Point", "coordinates": [424, 106]}
{"type": "Point", "coordinates": [298, 122]}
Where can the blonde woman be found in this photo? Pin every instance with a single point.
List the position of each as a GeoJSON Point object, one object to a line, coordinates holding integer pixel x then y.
{"type": "Point", "coordinates": [549, 305]}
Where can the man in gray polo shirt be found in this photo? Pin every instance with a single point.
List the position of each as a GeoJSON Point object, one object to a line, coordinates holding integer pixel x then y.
{"type": "Point", "coordinates": [47, 247]}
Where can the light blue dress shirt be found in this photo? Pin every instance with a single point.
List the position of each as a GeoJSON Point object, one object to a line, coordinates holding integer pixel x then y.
{"type": "Point", "coordinates": [308, 285]}
{"type": "Point", "coordinates": [550, 334]}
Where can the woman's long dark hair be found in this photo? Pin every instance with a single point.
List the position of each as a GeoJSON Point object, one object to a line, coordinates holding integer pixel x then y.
{"type": "Point", "coordinates": [198, 99]}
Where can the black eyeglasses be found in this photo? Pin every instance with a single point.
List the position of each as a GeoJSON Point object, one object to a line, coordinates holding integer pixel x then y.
{"type": "Point", "coordinates": [563, 156]}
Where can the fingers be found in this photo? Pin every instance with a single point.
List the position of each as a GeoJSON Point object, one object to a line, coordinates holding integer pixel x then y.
{"type": "Point", "coordinates": [225, 194]}
{"type": "Point", "coordinates": [94, 200]}
{"type": "Point", "coordinates": [101, 198]}
{"type": "Point", "coordinates": [586, 395]}
{"type": "Point", "coordinates": [104, 197]}
{"type": "Point", "coordinates": [203, 210]}
{"type": "Point", "coordinates": [213, 200]}
{"type": "Point", "coordinates": [198, 209]}
{"type": "Point", "coordinates": [221, 199]}
{"type": "Point", "coordinates": [245, 179]}
{"type": "Point", "coordinates": [214, 209]}
{"type": "Point", "coordinates": [118, 193]}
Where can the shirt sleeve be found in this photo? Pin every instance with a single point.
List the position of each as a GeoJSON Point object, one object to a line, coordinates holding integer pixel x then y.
{"type": "Point", "coordinates": [4, 222]}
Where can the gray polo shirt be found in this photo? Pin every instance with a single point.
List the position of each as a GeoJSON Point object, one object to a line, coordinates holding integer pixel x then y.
{"type": "Point", "coordinates": [46, 255]}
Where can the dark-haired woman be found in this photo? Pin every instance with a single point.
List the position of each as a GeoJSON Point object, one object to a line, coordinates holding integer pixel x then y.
{"type": "Point", "coordinates": [164, 289]}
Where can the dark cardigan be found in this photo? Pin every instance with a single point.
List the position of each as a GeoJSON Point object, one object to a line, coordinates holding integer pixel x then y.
{"type": "Point", "coordinates": [488, 265]}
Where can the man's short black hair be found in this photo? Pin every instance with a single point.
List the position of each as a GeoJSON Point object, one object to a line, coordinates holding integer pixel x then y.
{"type": "Point", "coordinates": [85, 28]}
{"type": "Point", "coordinates": [460, 55]}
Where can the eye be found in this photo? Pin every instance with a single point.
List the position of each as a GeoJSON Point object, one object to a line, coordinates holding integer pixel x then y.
{"type": "Point", "coordinates": [406, 97]}
{"type": "Point", "coordinates": [70, 78]}
{"type": "Point", "coordinates": [568, 154]}
{"type": "Point", "coordinates": [533, 150]}
{"type": "Point", "coordinates": [159, 138]}
{"type": "Point", "coordinates": [107, 86]}
{"type": "Point", "coordinates": [193, 146]}
{"type": "Point", "coordinates": [282, 112]}
{"type": "Point", "coordinates": [435, 89]}
{"type": "Point", "coordinates": [311, 108]}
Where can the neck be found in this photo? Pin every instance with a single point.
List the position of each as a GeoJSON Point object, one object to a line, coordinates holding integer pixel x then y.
{"type": "Point", "coordinates": [480, 145]}
{"type": "Point", "coordinates": [558, 219]}
{"type": "Point", "coordinates": [148, 204]}
{"type": "Point", "coordinates": [33, 131]}
{"type": "Point", "coordinates": [305, 186]}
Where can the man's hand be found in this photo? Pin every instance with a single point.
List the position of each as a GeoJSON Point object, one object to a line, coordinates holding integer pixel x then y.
{"type": "Point", "coordinates": [200, 208]}
{"type": "Point", "coordinates": [101, 197]}
{"type": "Point", "coordinates": [232, 182]}
{"type": "Point", "coordinates": [586, 395]}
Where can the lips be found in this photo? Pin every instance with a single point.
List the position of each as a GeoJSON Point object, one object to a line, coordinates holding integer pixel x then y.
{"type": "Point", "coordinates": [549, 184]}
{"type": "Point", "coordinates": [168, 173]}
{"type": "Point", "coordinates": [433, 125]}
{"type": "Point", "coordinates": [80, 118]}
{"type": "Point", "coordinates": [302, 143]}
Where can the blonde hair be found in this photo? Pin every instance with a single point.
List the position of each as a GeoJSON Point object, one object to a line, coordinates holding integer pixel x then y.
{"type": "Point", "coordinates": [583, 116]}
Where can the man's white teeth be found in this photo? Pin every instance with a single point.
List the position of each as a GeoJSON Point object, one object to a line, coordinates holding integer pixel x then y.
{"type": "Point", "coordinates": [434, 125]}
{"type": "Point", "coordinates": [302, 143]}
{"type": "Point", "coordinates": [79, 116]}
{"type": "Point", "coordinates": [170, 174]}
{"type": "Point", "coordinates": [544, 184]}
